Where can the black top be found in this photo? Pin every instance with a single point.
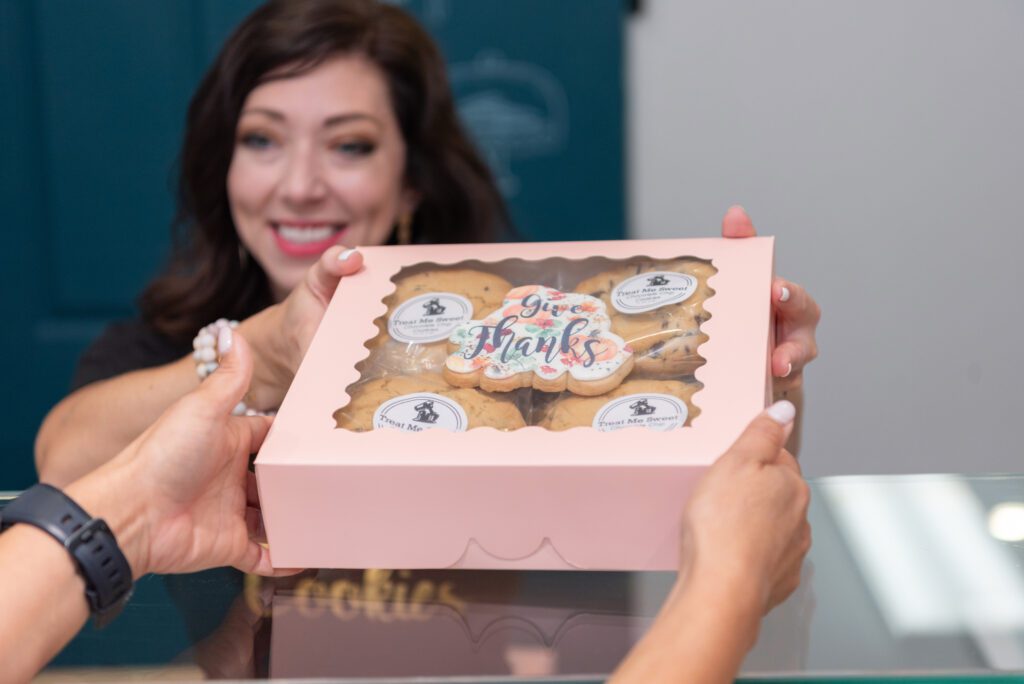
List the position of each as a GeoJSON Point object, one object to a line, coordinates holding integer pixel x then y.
{"type": "Point", "coordinates": [125, 346]}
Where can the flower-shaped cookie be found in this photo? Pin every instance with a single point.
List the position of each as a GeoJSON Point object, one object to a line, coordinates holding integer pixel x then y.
{"type": "Point", "coordinates": [540, 338]}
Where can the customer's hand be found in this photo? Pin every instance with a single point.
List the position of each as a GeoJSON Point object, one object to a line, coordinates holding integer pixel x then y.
{"type": "Point", "coordinates": [281, 334]}
{"type": "Point", "coordinates": [185, 499]}
{"type": "Point", "coordinates": [745, 528]}
{"type": "Point", "coordinates": [796, 316]}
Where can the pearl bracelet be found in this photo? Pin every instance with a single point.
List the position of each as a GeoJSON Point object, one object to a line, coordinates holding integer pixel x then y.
{"type": "Point", "coordinates": [204, 347]}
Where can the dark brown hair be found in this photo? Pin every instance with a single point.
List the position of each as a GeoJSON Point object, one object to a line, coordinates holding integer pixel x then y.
{"type": "Point", "coordinates": [209, 276]}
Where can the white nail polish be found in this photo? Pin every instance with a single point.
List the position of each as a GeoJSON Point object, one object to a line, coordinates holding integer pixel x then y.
{"type": "Point", "coordinates": [346, 254]}
{"type": "Point", "coordinates": [224, 341]}
{"type": "Point", "coordinates": [789, 369]}
{"type": "Point", "coordinates": [784, 297]}
{"type": "Point", "coordinates": [782, 412]}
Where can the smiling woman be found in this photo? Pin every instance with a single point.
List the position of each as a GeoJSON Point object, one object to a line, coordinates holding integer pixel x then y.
{"type": "Point", "coordinates": [321, 126]}
{"type": "Point", "coordinates": [319, 159]}
{"type": "Point", "coordinates": [316, 115]}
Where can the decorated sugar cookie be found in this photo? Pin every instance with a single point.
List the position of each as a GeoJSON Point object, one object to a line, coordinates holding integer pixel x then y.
{"type": "Point", "coordinates": [540, 338]}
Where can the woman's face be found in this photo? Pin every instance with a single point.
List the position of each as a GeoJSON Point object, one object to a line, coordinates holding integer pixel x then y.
{"type": "Point", "coordinates": [318, 160]}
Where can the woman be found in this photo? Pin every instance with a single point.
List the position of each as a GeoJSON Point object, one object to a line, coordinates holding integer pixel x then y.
{"type": "Point", "coordinates": [321, 125]}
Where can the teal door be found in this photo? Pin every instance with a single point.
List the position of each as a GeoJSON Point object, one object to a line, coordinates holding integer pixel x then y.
{"type": "Point", "coordinates": [94, 98]}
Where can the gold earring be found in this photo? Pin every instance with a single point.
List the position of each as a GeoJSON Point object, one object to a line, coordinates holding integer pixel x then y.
{"type": "Point", "coordinates": [405, 228]}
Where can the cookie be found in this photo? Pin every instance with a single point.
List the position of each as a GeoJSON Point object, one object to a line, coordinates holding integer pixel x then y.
{"type": "Point", "coordinates": [423, 309]}
{"type": "Point", "coordinates": [391, 358]}
{"type": "Point", "coordinates": [644, 404]}
{"type": "Point", "coordinates": [664, 336]}
{"type": "Point", "coordinates": [542, 338]}
{"type": "Point", "coordinates": [421, 402]}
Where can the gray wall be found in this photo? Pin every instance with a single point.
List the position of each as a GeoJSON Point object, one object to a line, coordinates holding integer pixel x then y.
{"type": "Point", "coordinates": [882, 142]}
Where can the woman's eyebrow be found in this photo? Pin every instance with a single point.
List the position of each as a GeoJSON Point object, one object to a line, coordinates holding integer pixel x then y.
{"type": "Point", "coordinates": [328, 122]}
{"type": "Point", "coordinates": [277, 116]}
{"type": "Point", "coordinates": [347, 117]}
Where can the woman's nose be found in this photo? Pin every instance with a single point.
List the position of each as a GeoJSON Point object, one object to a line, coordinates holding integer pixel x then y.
{"type": "Point", "coordinates": [303, 182]}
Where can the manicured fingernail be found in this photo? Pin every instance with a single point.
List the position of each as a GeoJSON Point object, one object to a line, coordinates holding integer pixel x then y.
{"type": "Point", "coordinates": [782, 412]}
{"type": "Point", "coordinates": [347, 253]}
{"type": "Point", "coordinates": [224, 341]}
{"type": "Point", "coordinates": [789, 369]}
{"type": "Point", "coordinates": [738, 207]}
{"type": "Point", "coordinates": [784, 297]}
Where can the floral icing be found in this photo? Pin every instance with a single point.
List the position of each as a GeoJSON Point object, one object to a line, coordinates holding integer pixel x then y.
{"type": "Point", "coordinates": [542, 330]}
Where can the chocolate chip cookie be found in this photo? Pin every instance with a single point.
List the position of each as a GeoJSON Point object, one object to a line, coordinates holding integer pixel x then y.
{"type": "Point", "coordinates": [664, 337]}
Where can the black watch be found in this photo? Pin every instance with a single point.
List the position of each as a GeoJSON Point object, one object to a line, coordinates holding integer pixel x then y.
{"type": "Point", "coordinates": [107, 575]}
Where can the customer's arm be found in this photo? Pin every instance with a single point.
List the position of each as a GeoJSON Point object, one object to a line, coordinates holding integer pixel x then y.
{"type": "Point", "coordinates": [90, 425]}
{"type": "Point", "coordinates": [745, 535]}
{"type": "Point", "coordinates": [178, 499]}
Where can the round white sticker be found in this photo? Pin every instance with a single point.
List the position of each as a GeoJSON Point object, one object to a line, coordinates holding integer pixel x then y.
{"type": "Point", "coordinates": [429, 317]}
{"type": "Point", "coordinates": [419, 412]}
{"type": "Point", "coordinates": [655, 411]}
{"type": "Point", "coordinates": [648, 291]}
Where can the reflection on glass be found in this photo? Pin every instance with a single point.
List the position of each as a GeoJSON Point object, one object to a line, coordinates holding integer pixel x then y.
{"type": "Point", "coordinates": [437, 623]}
{"type": "Point", "coordinates": [1006, 521]}
{"type": "Point", "coordinates": [922, 547]}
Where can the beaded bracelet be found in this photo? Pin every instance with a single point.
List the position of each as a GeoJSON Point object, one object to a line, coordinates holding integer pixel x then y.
{"type": "Point", "coordinates": [204, 352]}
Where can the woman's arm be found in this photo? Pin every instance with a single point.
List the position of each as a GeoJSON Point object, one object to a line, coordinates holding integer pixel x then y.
{"type": "Point", "coordinates": [745, 535]}
{"type": "Point", "coordinates": [95, 422]}
{"type": "Point", "coordinates": [700, 636]}
{"type": "Point", "coordinates": [90, 425]}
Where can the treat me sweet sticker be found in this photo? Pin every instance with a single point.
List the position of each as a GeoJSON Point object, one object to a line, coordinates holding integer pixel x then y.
{"type": "Point", "coordinates": [419, 412]}
{"type": "Point", "coordinates": [649, 291]}
{"type": "Point", "coordinates": [429, 317]}
{"type": "Point", "coordinates": [655, 411]}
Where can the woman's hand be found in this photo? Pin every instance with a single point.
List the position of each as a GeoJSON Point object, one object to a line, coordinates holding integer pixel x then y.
{"type": "Point", "coordinates": [186, 499]}
{"type": "Point", "coordinates": [281, 333]}
{"type": "Point", "coordinates": [796, 317]}
{"type": "Point", "coordinates": [745, 528]}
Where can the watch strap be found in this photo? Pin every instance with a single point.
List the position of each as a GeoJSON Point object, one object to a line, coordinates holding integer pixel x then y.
{"type": "Point", "coordinates": [100, 561]}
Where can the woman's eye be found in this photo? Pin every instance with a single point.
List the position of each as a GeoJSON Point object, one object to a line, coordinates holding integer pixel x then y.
{"type": "Point", "coordinates": [356, 148]}
{"type": "Point", "coordinates": [256, 141]}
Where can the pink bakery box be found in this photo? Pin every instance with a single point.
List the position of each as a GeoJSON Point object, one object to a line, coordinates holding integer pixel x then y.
{"type": "Point", "coordinates": [579, 499]}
